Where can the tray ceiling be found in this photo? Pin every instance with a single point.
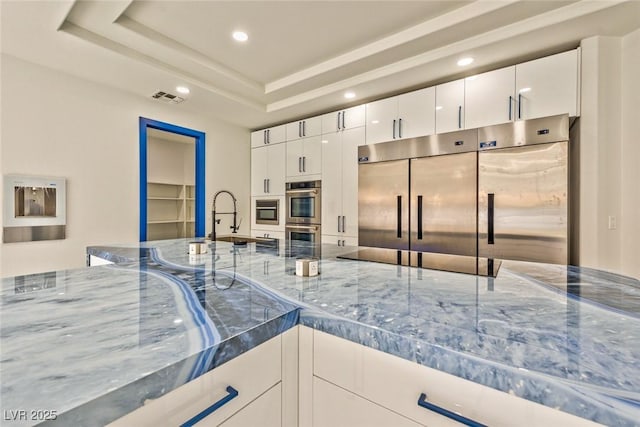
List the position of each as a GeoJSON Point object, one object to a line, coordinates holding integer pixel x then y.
{"type": "Point", "coordinates": [301, 56]}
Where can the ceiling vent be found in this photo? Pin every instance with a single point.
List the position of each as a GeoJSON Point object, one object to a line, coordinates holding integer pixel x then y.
{"type": "Point", "coordinates": [168, 98]}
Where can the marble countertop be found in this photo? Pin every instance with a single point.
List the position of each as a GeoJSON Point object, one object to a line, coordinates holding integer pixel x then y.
{"type": "Point", "coordinates": [565, 337]}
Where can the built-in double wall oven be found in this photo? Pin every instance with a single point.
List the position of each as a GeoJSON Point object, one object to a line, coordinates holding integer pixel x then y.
{"type": "Point", "coordinates": [304, 208]}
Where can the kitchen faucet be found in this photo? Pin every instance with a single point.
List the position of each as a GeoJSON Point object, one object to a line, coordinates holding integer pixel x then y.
{"type": "Point", "coordinates": [215, 221]}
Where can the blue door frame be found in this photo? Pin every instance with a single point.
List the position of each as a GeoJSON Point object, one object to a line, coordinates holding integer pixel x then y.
{"type": "Point", "coordinates": [200, 166]}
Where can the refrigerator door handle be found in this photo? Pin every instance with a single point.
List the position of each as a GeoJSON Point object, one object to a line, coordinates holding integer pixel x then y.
{"type": "Point", "coordinates": [419, 217]}
{"type": "Point", "coordinates": [490, 213]}
{"type": "Point", "coordinates": [399, 213]}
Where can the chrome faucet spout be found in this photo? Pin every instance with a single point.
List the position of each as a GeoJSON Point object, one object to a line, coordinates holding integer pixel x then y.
{"type": "Point", "coordinates": [215, 221]}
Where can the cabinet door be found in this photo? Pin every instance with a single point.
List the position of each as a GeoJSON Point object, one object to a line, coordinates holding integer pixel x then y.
{"type": "Point", "coordinates": [258, 138]}
{"type": "Point", "coordinates": [275, 168]}
{"type": "Point", "coordinates": [353, 117]}
{"type": "Point", "coordinates": [489, 98]}
{"type": "Point", "coordinates": [548, 86]}
{"type": "Point", "coordinates": [334, 406]}
{"type": "Point", "coordinates": [294, 130]}
{"type": "Point", "coordinates": [343, 119]}
{"type": "Point", "coordinates": [259, 172]}
{"type": "Point", "coordinates": [380, 117]}
{"type": "Point", "coordinates": [251, 374]}
{"type": "Point", "coordinates": [312, 155]}
{"type": "Point", "coordinates": [294, 157]}
{"type": "Point", "coordinates": [265, 411]}
{"type": "Point", "coordinates": [450, 106]}
{"type": "Point", "coordinates": [277, 134]}
{"type": "Point", "coordinates": [416, 113]}
{"type": "Point", "coordinates": [351, 139]}
{"type": "Point", "coordinates": [312, 126]}
{"type": "Point", "coordinates": [332, 182]}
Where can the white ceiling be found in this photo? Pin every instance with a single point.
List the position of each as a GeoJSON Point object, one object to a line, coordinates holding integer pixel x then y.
{"type": "Point", "coordinates": [301, 55]}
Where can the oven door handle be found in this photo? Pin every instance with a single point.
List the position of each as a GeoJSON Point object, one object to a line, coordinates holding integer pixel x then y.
{"type": "Point", "coordinates": [303, 227]}
{"type": "Point", "coordinates": [302, 190]}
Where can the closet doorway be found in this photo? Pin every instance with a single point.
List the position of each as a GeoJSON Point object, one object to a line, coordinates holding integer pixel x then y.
{"type": "Point", "coordinates": [172, 176]}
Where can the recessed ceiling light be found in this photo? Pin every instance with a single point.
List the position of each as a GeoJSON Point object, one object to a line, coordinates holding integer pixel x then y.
{"type": "Point", "coordinates": [183, 89]}
{"type": "Point", "coordinates": [349, 95]}
{"type": "Point", "coordinates": [465, 61]}
{"type": "Point", "coordinates": [524, 89]}
{"type": "Point", "coordinates": [240, 36]}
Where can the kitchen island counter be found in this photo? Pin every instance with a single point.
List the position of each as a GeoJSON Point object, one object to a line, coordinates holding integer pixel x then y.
{"type": "Point", "coordinates": [564, 337]}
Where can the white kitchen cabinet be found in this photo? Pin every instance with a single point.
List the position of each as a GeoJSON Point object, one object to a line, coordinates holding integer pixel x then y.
{"type": "Point", "coordinates": [397, 384]}
{"type": "Point", "coordinates": [404, 116]}
{"type": "Point", "coordinates": [265, 411]}
{"type": "Point", "coordinates": [304, 128]}
{"type": "Point", "coordinates": [334, 406]}
{"type": "Point", "coordinates": [273, 135]}
{"type": "Point", "coordinates": [489, 98]}
{"type": "Point", "coordinates": [548, 86]}
{"type": "Point", "coordinates": [340, 183]}
{"type": "Point", "coordinates": [340, 241]}
{"type": "Point", "coordinates": [251, 374]}
{"type": "Point", "coordinates": [450, 106]}
{"type": "Point", "coordinates": [343, 119]}
{"type": "Point", "coordinates": [267, 170]}
{"type": "Point", "coordinates": [304, 157]}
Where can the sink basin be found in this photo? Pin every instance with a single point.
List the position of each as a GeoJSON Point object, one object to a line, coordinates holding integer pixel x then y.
{"type": "Point", "coordinates": [243, 240]}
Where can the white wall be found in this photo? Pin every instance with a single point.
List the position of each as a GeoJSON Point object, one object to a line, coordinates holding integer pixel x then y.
{"type": "Point", "coordinates": [55, 124]}
{"type": "Point", "coordinates": [631, 154]}
{"type": "Point", "coordinates": [609, 157]}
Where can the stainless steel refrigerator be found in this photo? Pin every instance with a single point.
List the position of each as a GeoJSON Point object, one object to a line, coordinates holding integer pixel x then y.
{"type": "Point", "coordinates": [464, 200]}
{"type": "Point", "coordinates": [523, 189]}
{"type": "Point", "coordinates": [425, 203]}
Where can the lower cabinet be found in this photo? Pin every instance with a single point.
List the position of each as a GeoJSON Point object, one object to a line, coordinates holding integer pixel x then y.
{"type": "Point", "coordinates": [397, 385]}
{"type": "Point", "coordinates": [336, 407]}
{"type": "Point", "coordinates": [265, 411]}
{"type": "Point", "coordinates": [245, 389]}
{"type": "Point", "coordinates": [339, 240]}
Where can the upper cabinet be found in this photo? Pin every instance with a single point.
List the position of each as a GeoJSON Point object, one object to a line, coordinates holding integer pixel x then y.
{"type": "Point", "coordinates": [489, 98]}
{"type": "Point", "coordinates": [272, 135]}
{"type": "Point", "coordinates": [304, 128]}
{"type": "Point", "coordinates": [450, 106]}
{"type": "Point", "coordinates": [343, 119]}
{"type": "Point", "coordinates": [404, 116]}
{"type": "Point", "coordinates": [548, 86]}
{"type": "Point", "coordinates": [267, 170]}
{"type": "Point", "coordinates": [304, 157]}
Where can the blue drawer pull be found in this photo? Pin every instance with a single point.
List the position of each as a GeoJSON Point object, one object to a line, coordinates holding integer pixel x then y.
{"type": "Point", "coordinates": [422, 401]}
{"type": "Point", "coordinates": [219, 404]}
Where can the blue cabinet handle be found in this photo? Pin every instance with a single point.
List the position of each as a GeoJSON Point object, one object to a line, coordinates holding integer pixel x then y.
{"type": "Point", "coordinates": [422, 401]}
{"type": "Point", "coordinates": [211, 409]}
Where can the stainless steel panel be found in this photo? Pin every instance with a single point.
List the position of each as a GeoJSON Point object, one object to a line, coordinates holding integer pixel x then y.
{"type": "Point", "coordinates": [443, 190]}
{"type": "Point", "coordinates": [33, 233]}
{"type": "Point", "coordinates": [525, 132]}
{"type": "Point", "coordinates": [530, 189]}
{"type": "Point", "coordinates": [379, 187]}
{"type": "Point", "coordinates": [431, 145]}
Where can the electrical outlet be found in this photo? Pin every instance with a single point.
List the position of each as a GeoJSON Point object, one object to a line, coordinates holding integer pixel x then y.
{"type": "Point", "coordinates": [612, 223]}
